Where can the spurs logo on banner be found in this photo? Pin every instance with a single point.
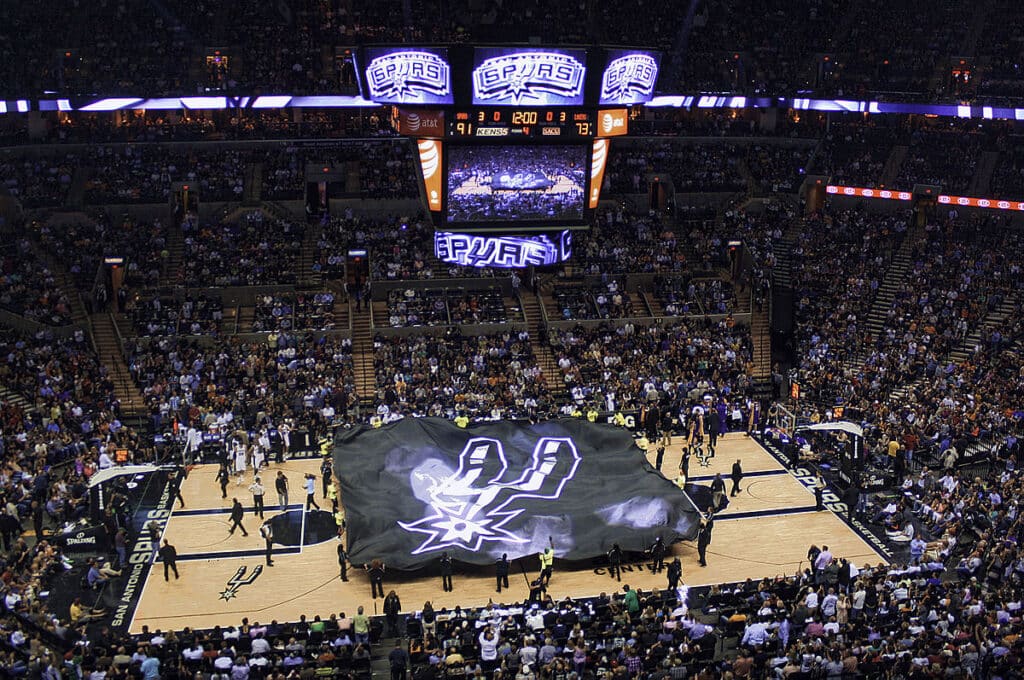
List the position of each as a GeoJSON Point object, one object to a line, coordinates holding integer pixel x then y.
{"type": "Point", "coordinates": [238, 580]}
{"type": "Point", "coordinates": [528, 76]}
{"type": "Point", "coordinates": [406, 76]}
{"type": "Point", "coordinates": [473, 504]}
{"type": "Point", "coordinates": [629, 79]}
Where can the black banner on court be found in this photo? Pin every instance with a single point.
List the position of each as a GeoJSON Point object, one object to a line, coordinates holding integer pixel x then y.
{"type": "Point", "coordinates": [422, 486]}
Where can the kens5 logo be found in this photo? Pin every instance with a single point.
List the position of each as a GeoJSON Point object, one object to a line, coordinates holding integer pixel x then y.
{"type": "Point", "coordinates": [629, 79]}
{"type": "Point", "coordinates": [474, 503]}
{"type": "Point", "coordinates": [538, 77]}
{"type": "Point", "coordinates": [409, 76]}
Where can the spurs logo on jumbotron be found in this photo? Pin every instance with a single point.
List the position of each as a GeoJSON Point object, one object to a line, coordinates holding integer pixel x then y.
{"type": "Point", "coordinates": [505, 252]}
{"type": "Point", "coordinates": [408, 76]}
{"type": "Point", "coordinates": [533, 76]}
{"type": "Point", "coordinates": [629, 79]}
{"type": "Point", "coordinates": [473, 504]}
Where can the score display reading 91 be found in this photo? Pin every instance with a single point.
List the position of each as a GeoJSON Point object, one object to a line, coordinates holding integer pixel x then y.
{"type": "Point", "coordinates": [513, 122]}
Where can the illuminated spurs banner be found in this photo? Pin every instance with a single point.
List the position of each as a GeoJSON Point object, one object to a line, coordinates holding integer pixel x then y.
{"type": "Point", "coordinates": [408, 76]}
{"type": "Point", "coordinates": [503, 252]}
{"type": "Point", "coordinates": [629, 77]}
{"type": "Point", "coordinates": [543, 77]}
{"type": "Point", "coordinates": [422, 486]}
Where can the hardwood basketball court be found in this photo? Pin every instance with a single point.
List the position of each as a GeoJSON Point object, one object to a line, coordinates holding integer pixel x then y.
{"type": "Point", "coordinates": [764, 532]}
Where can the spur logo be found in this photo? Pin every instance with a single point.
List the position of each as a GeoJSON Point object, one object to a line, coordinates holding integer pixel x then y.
{"type": "Point", "coordinates": [539, 77]}
{"type": "Point", "coordinates": [238, 580]}
{"type": "Point", "coordinates": [408, 77]}
{"type": "Point", "coordinates": [629, 79]}
{"type": "Point", "coordinates": [501, 251]}
{"type": "Point", "coordinates": [472, 505]}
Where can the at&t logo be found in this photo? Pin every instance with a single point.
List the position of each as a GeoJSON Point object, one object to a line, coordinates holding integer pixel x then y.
{"type": "Point", "coordinates": [408, 77]}
{"type": "Point", "coordinates": [539, 77]}
{"type": "Point", "coordinates": [629, 79]}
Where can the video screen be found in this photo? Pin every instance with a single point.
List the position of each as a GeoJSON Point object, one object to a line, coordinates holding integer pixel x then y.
{"type": "Point", "coordinates": [413, 75]}
{"type": "Point", "coordinates": [503, 183]}
{"type": "Point", "coordinates": [515, 76]}
{"type": "Point", "coordinates": [629, 77]}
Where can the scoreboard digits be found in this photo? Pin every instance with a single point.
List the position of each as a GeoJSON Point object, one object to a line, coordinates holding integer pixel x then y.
{"type": "Point", "coordinates": [513, 122]}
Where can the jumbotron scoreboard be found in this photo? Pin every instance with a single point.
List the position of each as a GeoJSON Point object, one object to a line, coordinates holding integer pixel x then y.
{"type": "Point", "coordinates": [545, 123]}
{"type": "Point", "coordinates": [512, 141]}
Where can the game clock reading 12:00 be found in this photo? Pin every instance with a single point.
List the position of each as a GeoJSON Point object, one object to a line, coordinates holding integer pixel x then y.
{"type": "Point", "coordinates": [511, 122]}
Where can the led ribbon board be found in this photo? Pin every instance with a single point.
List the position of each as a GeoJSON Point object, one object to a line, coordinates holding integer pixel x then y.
{"type": "Point", "coordinates": [502, 252]}
{"type": "Point", "coordinates": [629, 77]}
{"type": "Point", "coordinates": [503, 76]}
{"type": "Point", "coordinates": [408, 76]}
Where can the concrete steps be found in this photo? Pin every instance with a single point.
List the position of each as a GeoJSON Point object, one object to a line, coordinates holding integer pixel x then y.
{"type": "Point", "coordinates": [761, 337]}
{"type": "Point", "coordinates": [992, 320]}
{"type": "Point", "coordinates": [308, 257]}
{"type": "Point", "coordinates": [108, 347]}
{"type": "Point", "coordinates": [362, 354]}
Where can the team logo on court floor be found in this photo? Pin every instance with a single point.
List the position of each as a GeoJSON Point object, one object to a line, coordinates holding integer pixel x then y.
{"type": "Point", "coordinates": [473, 504]}
{"type": "Point", "coordinates": [703, 455]}
{"type": "Point", "coordinates": [238, 580]}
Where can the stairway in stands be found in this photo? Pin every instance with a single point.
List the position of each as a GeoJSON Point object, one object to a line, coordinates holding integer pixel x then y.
{"type": "Point", "coordinates": [761, 337]}
{"type": "Point", "coordinates": [172, 273]}
{"type": "Point", "coordinates": [894, 277]}
{"type": "Point", "coordinates": [981, 181]}
{"type": "Point", "coordinates": [108, 347]}
{"type": "Point", "coordinates": [992, 320]}
{"type": "Point", "coordinates": [892, 165]}
{"type": "Point", "coordinates": [253, 185]}
{"type": "Point", "coordinates": [362, 354]}
{"type": "Point", "coordinates": [308, 257]}
{"type": "Point", "coordinates": [246, 315]}
{"type": "Point", "coordinates": [542, 350]}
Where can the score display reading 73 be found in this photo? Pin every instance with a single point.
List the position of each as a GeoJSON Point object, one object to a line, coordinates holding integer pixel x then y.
{"type": "Point", "coordinates": [515, 122]}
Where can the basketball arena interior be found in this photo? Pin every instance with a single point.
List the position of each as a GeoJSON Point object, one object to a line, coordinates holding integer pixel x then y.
{"type": "Point", "coordinates": [671, 341]}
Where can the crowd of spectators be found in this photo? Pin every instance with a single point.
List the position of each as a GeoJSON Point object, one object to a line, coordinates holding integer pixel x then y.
{"type": "Point", "coordinates": [1008, 175]}
{"type": "Point", "coordinates": [280, 377]}
{"type": "Point", "coordinates": [946, 158]}
{"type": "Point", "coordinates": [605, 299]}
{"type": "Point", "coordinates": [255, 250]}
{"type": "Point", "coordinates": [683, 295]}
{"type": "Point", "coordinates": [906, 381]}
{"type": "Point", "coordinates": [487, 376]}
{"type": "Point", "coordinates": [38, 182]}
{"type": "Point", "coordinates": [693, 168]}
{"type": "Point", "coordinates": [155, 313]}
{"type": "Point", "coordinates": [815, 46]}
{"type": "Point", "coordinates": [59, 409]}
{"type": "Point", "coordinates": [1001, 78]}
{"type": "Point", "coordinates": [144, 173]}
{"type": "Point", "coordinates": [625, 367]}
{"type": "Point", "coordinates": [777, 169]}
{"type": "Point", "coordinates": [298, 311]}
{"type": "Point", "coordinates": [855, 154]}
{"type": "Point", "coordinates": [624, 242]}
{"type": "Point", "coordinates": [28, 287]}
{"type": "Point", "coordinates": [855, 248]}
{"type": "Point", "coordinates": [82, 245]}
{"type": "Point", "coordinates": [445, 307]}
